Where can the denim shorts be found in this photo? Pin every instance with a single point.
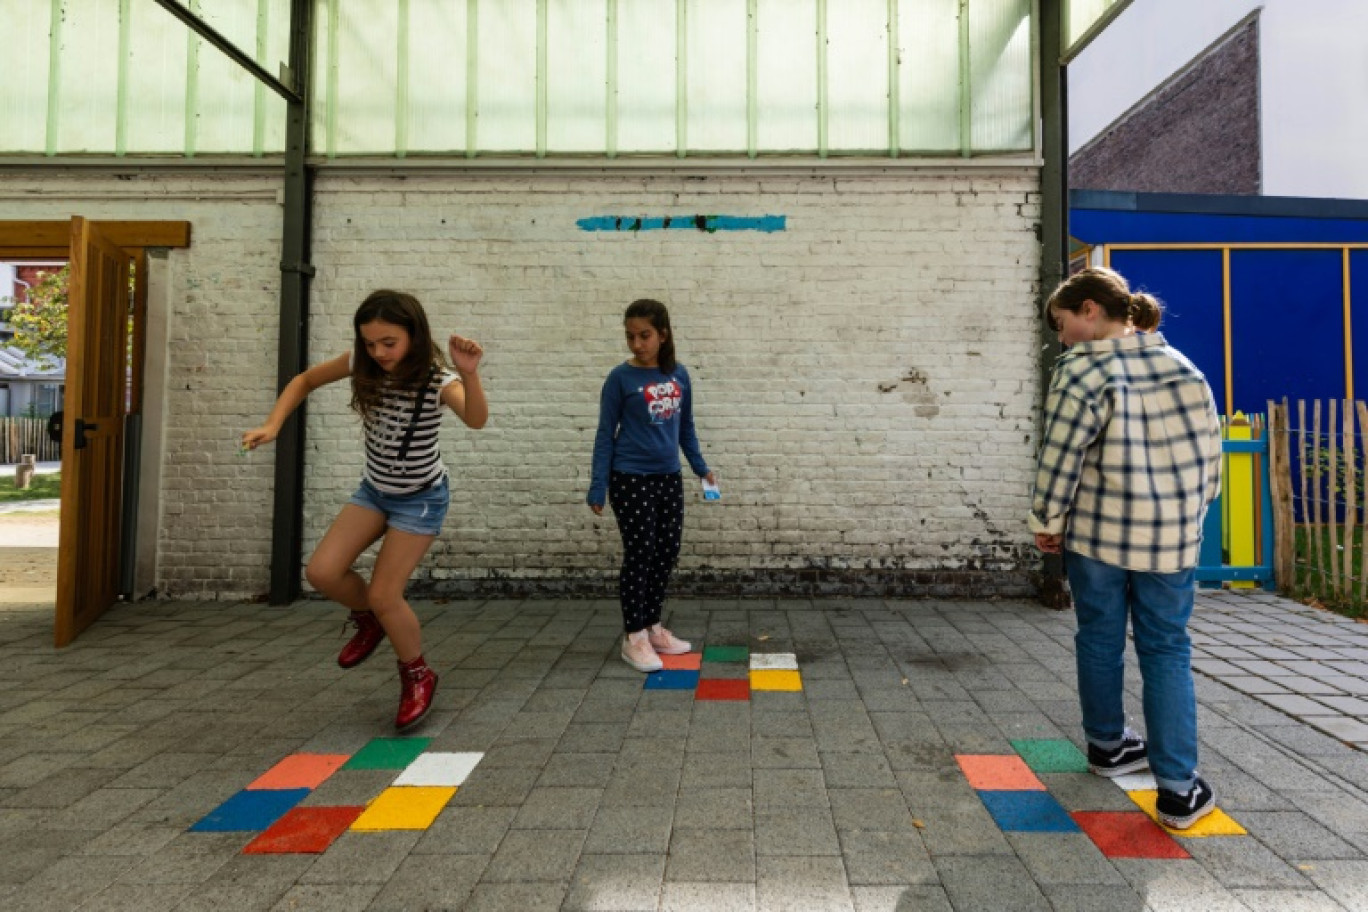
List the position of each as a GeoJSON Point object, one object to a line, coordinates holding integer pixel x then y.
{"type": "Point", "coordinates": [420, 513]}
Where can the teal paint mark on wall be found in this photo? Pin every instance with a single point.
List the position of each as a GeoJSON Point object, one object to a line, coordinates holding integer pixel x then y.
{"type": "Point", "coordinates": [709, 223]}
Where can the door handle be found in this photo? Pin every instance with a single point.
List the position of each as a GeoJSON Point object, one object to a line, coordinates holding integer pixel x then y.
{"type": "Point", "coordinates": [79, 433]}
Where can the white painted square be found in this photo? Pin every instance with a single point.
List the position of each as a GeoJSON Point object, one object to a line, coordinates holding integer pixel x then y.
{"type": "Point", "coordinates": [439, 769]}
{"type": "Point", "coordinates": [773, 661]}
{"type": "Point", "coordinates": [1136, 782]}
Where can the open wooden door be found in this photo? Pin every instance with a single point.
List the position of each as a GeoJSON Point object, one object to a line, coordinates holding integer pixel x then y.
{"type": "Point", "coordinates": [93, 434]}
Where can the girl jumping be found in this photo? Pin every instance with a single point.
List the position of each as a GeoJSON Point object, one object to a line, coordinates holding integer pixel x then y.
{"type": "Point", "coordinates": [399, 384]}
{"type": "Point", "coordinates": [645, 417]}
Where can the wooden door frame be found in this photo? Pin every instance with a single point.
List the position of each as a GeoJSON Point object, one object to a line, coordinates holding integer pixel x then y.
{"type": "Point", "coordinates": [51, 239]}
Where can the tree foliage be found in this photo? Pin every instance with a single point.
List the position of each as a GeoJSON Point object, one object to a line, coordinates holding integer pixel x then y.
{"type": "Point", "coordinates": [40, 323]}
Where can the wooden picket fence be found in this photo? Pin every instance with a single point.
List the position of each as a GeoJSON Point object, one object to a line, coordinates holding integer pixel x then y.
{"type": "Point", "coordinates": [1320, 499]}
{"type": "Point", "coordinates": [20, 436]}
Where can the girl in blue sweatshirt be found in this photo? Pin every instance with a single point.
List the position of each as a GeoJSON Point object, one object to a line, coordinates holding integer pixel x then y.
{"type": "Point", "coordinates": [645, 418]}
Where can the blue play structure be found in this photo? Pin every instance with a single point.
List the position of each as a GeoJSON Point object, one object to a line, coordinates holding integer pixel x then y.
{"type": "Point", "coordinates": [1260, 291]}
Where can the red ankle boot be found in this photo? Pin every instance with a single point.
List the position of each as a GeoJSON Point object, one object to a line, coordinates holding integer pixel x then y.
{"type": "Point", "coordinates": [368, 635]}
{"type": "Point", "coordinates": [420, 684]}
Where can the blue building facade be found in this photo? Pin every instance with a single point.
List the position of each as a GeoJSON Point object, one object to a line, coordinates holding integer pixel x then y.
{"type": "Point", "coordinates": [1260, 291]}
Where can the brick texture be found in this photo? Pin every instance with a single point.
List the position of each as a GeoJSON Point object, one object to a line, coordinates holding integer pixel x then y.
{"type": "Point", "coordinates": [866, 380]}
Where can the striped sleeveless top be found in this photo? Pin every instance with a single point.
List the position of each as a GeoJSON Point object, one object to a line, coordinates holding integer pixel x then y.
{"type": "Point", "coordinates": [388, 424]}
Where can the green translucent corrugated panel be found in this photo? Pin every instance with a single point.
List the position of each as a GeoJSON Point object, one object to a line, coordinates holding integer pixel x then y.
{"type": "Point", "coordinates": [1082, 15]}
{"type": "Point", "coordinates": [532, 77]}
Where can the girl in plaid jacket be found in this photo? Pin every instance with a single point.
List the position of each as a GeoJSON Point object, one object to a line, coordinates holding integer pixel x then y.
{"type": "Point", "coordinates": [1130, 460]}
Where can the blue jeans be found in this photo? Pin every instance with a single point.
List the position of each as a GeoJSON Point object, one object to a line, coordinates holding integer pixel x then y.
{"type": "Point", "coordinates": [1159, 605]}
{"type": "Point", "coordinates": [420, 513]}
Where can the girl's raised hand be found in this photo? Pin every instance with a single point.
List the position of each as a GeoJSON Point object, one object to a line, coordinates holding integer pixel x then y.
{"type": "Point", "coordinates": [465, 354]}
{"type": "Point", "coordinates": [256, 437]}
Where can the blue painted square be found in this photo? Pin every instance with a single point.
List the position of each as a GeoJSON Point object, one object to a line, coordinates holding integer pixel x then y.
{"type": "Point", "coordinates": [250, 811]}
{"type": "Point", "coordinates": [672, 680]}
{"type": "Point", "coordinates": [1028, 812]}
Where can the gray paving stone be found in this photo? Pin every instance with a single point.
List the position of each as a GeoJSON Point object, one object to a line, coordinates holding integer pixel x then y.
{"type": "Point", "coordinates": [136, 898]}
{"type": "Point", "coordinates": [1064, 859]}
{"type": "Point", "coordinates": [642, 787]}
{"type": "Point", "coordinates": [900, 899]}
{"type": "Point", "coordinates": [627, 830]}
{"type": "Point", "coordinates": [1295, 836]}
{"type": "Point", "coordinates": [711, 855]}
{"type": "Point", "coordinates": [964, 828]}
{"type": "Point", "coordinates": [430, 882]}
{"type": "Point", "coordinates": [882, 810]}
{"type": "Point", "coordinates": [616, 883]}
{"type": "Point", "coordinates": [784, 884]}
{"type": "Point", "coordinates": [720, 808]}
{"type": "Point", "coordinates": [535, 855]}
{"type": "Point", "coordinates": [716, 897]}
{"type": "Point", "coordinates": [886, 858]}
{"type": "Point", "coordinates": [989, 883]}
{"type": "Point", "coordinates": [856, 770]}
{"type": "Point", "coordinates": [717, 770]}
{"type": "Point", "coordinates": [795, 832]}
{"type": "Point", "coordinates": [582, 770]}
{"type": "Point", "coordinates": [486, 787]}
{"type": "Point", "coordinates": [1351, 730]}
{"type": "Point", "coordinates": [327, 898]}
{"type": "Point", "coordinates": [784, 753]}
{"type": "Point", "coordinates": [1172, 885]}
{"type": "Point", "coordinates": [460, 830]}
{"type": "Point", "coordinates": [1286, 901]}
{"type": "Point", "coordinates": [248, 883]}
{"type": "Point", "coordinates": [775, 789]}
{"type": "Point", "coordinates": [1093, 898]}
{"type": "Point", "coordinates": [1345, 881]}
{"type": "Point", "coordinates": [557, 808]}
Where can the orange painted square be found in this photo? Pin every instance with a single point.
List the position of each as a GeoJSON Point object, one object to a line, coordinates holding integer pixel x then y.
{"type": "Point", "coordinates": [999, 773]}
{"type": "Point", "coordinates": [1128, 834]}
{"type": "Point", "coordinates": [723, 689]}
{"type": "Point", "coordinates": [306, 830]}
{"type": "Point", "coordinates": [689, 661]}
{"type": "Point", "coordinates": [299, 771]}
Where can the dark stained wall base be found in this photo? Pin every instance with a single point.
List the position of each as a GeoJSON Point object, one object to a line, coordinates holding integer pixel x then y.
{"type": "Point", "coordinates": [806, 583]}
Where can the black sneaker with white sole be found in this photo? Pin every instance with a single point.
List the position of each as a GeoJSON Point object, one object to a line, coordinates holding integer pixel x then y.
{"type": "Point", "coordinates": [1180, 810]}
{"type": "Point", "coordinates": [1127, 757]}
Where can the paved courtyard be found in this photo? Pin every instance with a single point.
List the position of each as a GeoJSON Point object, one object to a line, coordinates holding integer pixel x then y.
{"type": "Point", "coordinates": [818, 755]}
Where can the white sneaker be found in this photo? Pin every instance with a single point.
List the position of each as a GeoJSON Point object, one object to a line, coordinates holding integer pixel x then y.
{"type": "Point", "coordinates": [666, 643]}
{"type": "Point", "coordinates": [637, 652]}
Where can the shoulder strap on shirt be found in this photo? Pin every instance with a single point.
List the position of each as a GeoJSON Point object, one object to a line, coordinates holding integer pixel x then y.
{"type": "Point", "coordinates": [419, 397]}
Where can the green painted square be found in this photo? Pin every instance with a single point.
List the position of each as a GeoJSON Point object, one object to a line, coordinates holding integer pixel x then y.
{"type": "Point", "coordinates": [726, 654]}
{"type": "Point", "coordinates": [387, 753]}
{"type": "Point", "coordinates": [1053, 755]}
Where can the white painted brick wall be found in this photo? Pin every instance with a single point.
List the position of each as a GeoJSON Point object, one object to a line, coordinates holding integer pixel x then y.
{"type": "Point", "coordinates": [866, 380]}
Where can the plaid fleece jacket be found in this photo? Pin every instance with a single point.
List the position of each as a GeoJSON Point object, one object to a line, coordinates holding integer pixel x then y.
{"type": "Point", "coordinates": [1131, 455]}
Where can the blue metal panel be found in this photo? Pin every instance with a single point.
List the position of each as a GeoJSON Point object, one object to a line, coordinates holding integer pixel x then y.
{"type": "Point", "coordinates": [1188, 282]}
{"type": "Point", "coordinates": [1287, 326]}
{"type": "Point", "coordinates": [1105, 226]}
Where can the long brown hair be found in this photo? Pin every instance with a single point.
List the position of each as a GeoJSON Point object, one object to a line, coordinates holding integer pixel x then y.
{"type": "Point", "coordinates": [369, 381]}
{"type": "Point", "coordinates": [655, 313]}
{"type": "Point", "coordinates": [1107, 289]}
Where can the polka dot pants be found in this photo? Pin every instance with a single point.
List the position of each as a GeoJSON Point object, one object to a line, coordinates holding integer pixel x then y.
{"type": "Point", "coordinates": [650, 516]}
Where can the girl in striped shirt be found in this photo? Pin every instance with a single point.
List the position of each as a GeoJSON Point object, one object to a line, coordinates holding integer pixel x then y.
{"type": "Point", "coordinates": [400, 385]}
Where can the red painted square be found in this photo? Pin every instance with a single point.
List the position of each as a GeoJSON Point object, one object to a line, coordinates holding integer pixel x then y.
{"type": "Point", "coordinates": [299, 771]}
{"type": "Point", "coordinates": [1128, 834]}
{"type": "Point", "coordinates": [304, 830]}
{"type": "Point", "coordinates": [999, 773]}
{"type": "Point", "coordinates": [723, 689]}
{"type": "Point", "coordinates": [689, 661]}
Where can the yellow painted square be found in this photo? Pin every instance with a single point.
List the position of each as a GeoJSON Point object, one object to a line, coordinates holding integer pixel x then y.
{"type": "Point", "coordinates": [771, 679]}
{"type": "Point", "coordinates": [404, 808]}
{"type": "Point", "coordinates": [1217, 823]}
